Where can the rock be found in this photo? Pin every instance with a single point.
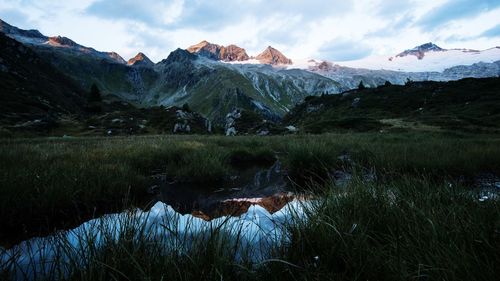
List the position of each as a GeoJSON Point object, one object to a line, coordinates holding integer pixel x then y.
{"type": "Point", "coordinates": [292, 129]}
{"type": "Point", "coordinates": [188, 120]}
{"type": "Point", "coordinates": [218, 52]}
{"type": "Point", "coordinates": [272, 56]}
{"type": "Point", "coordinates": [313, 108]}
{"type": "Point", "coordinates": [263, 132]}
{"type": "Point", "coordinates": [230, 125]}
{"type": "Point", "coordinates": [355, 102]}
{"type": "Point", "coordinates": [182, 127]}
{"type": "Point", "coordinates": [110, 132]}
{"type": "Point", "coordinates": [231, 131]}
{"type": "Point", "coordinates": [208, 125]}
{"type": "Point", "coordinates": [140, 60]}
{"type": "Point", "coordinates": [153, 189]}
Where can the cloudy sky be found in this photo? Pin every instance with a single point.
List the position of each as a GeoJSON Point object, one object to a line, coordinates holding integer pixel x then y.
{"type": "Point", "coordinates": [337, 30]}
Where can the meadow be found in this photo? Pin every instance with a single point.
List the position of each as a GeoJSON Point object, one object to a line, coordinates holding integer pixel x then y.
{"type": "Point", "coordinates": [418, 219]}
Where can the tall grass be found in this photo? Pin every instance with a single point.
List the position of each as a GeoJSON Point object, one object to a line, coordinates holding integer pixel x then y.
{"type": "Point", "coordinates": [53, 183]}
{"type": "Point", "coordinates": [411, 229]}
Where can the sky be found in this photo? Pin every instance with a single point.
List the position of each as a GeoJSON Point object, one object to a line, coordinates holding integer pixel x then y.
{"type": "Point", "coordinates": [336, 30]}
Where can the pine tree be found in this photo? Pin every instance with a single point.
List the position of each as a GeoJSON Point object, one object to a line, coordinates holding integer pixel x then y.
{"type": "Point", "coordinates": [95, 94]}
{"type": "Point", "coordinates": [361, 86]}
{"type": "Point", "coordinates": [186, 108]}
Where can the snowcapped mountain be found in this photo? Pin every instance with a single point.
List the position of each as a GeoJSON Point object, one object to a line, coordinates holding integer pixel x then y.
{"type": "Point", "coordinates": [426, 58]}
{"type": "Point", "coordinates": [422, 63]}
{"type": "Point", "coordinates": [420, 51]}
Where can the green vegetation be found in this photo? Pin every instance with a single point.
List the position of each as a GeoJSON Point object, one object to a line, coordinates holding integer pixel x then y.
{"type": "Point", "coordinates": [411, 229]}
{"type": "Point", "coordinates": [468, 105]}
{"type": "Point", "coordinates": [57, 182]}
{"type": "Point", "coordinates": [95, 94]}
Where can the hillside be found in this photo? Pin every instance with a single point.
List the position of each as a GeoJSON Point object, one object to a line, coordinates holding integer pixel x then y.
{"type": "Point", "coordinates": [466, 105]}
{"type": "Point", "coordinates": [32, 90]}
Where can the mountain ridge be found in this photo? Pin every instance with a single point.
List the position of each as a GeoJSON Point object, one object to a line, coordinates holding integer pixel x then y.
{"type": "Point", "coordinates": [218, 52]}
{"type": "Point", "coordinates": [212, 86]}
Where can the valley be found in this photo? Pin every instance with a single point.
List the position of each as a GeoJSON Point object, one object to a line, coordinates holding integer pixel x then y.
{"type": "Point", "coordinates": [216, 163]}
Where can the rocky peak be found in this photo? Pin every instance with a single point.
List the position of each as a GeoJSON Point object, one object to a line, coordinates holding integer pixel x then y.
{"type": "Point", "coordinates": [420, 51]}
{"type": "Point", "coordinates": [179, 55]}
{"type": "Point", "coordinates": [206, 49]}
{"type": "Point", "coordinates": [61, 41]}
{"type": "Point", "coordinates": [233, 53]}
{"type": "Point", "coordinates": [219, 52]}
{"type": "Point", "coordinates": [272, 56]}
{"type": "Point", "coordinates": [116, 57]}
{"type": "Point", "coordinates": [140, 60]}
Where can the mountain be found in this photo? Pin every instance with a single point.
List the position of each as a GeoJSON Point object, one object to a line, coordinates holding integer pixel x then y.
{"type": "Point", "coordinates": [214, 88]}
{"type": "Point", "coordinates": [427, 62]}
{"type": "Point", "coordinates": [425, 58]}
{"type": "Point", "coordinates": [350, 77]}
{"type": "Point", "coordinates": [140, 60]}
{"type": "Point", "coordinates": [467, 105]}
{"type": "Point", "coordinates": [56, 43]}
{"type": "Point", "coordinates": [274, 57]}
{"type": "Point", "coordinates": [420, 51]}
{"type": "Point", "coordinates": [201, 78]}
{"type": "Point", "coordinates": [210, 86]}
{"type": "Point", "coordinates": [218, 52]}
{"type": "Point", "coordinates": [34, 93]}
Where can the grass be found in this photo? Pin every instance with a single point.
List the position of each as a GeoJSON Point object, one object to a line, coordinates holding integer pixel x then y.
{"type": "Point", "coordinates": [405, 225]}
{"type": "Point", "coordinates": [410, 229]}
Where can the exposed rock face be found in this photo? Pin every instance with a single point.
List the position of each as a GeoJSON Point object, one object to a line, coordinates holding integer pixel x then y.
{"type": "Point", "coordinates": [116, 57]}
{"type": "Point", "coordinates": [206, 49]}
{"type": "Point", "coordinates": [230, 126]}
{"type": "Point", "coordinates": [233, 53]}
{"type": "Point", "coordinates": [179, 56]}
{"type": "Point", "coordinates": [292, 129]}
{"type": "Point", "coordinates": [140, 60]}
{"type": "Point", "coordinates": [273, 57]}
{"type": "Point", "coordinates": [218, 52]}
{"type": "Point", "coordinates": [61, 41]}
{"type": "Point", "coordinates": [187, 119]}
{"type": "Point", "coordinates": [420, 51]}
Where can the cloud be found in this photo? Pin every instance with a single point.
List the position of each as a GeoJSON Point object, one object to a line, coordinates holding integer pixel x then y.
{"type": "Point", "coordinates": [344, 50]}
{"type": "Point", "coordinates": [330, 29]}
{"type": "Point", "coordinates": [210, 15]}
{"type": "Point", "coordinates": [492, 32]}
{"type": "Point", "coordinates": [146, 11]}
{"type": "Point", "coordinates": [456, 9]}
